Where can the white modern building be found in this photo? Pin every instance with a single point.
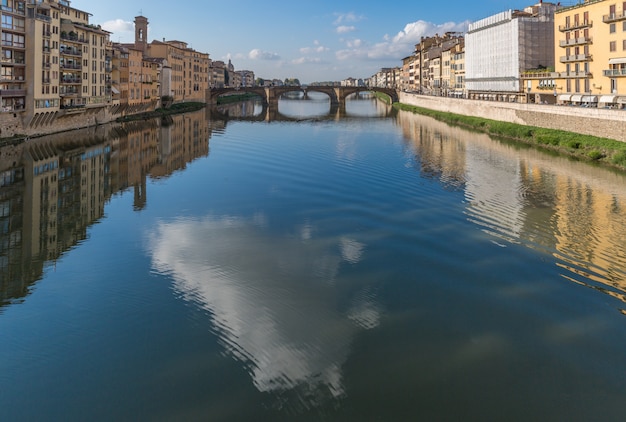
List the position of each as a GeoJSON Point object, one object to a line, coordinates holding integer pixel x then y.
{"type": "Point", "coordinates": [499, 48]}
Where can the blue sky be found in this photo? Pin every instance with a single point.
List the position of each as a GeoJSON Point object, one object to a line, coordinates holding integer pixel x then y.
{"type": "Point", "coordinates": [309, 40]}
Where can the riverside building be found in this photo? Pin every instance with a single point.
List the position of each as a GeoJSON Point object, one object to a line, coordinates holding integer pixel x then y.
{"type": "Point", "coordinates": [501, 47]}
{"type": "Point", "coordinates": [53, 61]}
{"type": "Point", "coordinates": [591, 43]}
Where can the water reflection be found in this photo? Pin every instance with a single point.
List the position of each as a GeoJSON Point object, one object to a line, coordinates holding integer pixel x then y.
{"type": "Point", "coordinates": [296, 106]}
{"type": "Point", "coordinates": [571, 210]}
{"type": "Point", "coordinates": [276, 303]}
{"type": "Point", "coordinates": [53, 188]}
{"type": "Point", "coordinates": [272, 300]}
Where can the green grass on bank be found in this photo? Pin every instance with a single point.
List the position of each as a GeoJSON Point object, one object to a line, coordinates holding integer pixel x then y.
{"type": "Point", "coordinates": [159, 112]}
{"type": "Point", "coordinates": [234, 98]}
{"type": "Point", "coordinates": [585, 147]}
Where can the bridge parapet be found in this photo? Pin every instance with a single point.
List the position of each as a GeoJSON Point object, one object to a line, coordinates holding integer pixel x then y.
{"type": "Point", "coordinates": [271, 95]}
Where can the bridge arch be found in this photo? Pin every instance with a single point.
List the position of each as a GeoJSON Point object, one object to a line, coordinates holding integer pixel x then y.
{"type": "Point", "coordinates": [214, 93]}
{"type": "Point", "coordinates": [270, 95]}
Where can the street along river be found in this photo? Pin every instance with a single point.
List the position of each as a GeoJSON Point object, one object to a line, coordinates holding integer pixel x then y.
{"type": "Point", "coordinates": [359, 265]}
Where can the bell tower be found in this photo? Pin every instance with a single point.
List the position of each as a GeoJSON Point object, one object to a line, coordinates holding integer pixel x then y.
{"type": "Point", "coordinates": [141, 33]}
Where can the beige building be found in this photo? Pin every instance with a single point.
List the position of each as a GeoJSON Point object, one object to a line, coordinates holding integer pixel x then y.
{"type": "Point", "coordinates": [53, 61]}
{"type": "Point", "coordinates": [13, 56]}
{"type": "Point", "coordinates": [217, 74]}
{"type": "Point", "coordinates": [188, 69]}
{"type": "Point", "coordinates": [457, 71]}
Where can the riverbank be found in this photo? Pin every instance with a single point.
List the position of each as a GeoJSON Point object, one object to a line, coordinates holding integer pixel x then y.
{"type": "Point", "coordinates": [590, 148]}
{"type": "Point", "coordinates": [160, 112]}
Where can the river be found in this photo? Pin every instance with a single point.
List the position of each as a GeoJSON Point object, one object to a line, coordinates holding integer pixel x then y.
{"type": "Point", "coordinates": [308, 264]}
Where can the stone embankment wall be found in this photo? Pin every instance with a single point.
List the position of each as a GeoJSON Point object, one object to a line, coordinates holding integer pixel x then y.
{"type": "Point", "coordinates": [14, 124]}
{"type": "Point", "coordinates": [606, 123]}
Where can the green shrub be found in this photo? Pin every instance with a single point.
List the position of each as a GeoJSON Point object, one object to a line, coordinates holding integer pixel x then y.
{"type": "Point", "coordinates": [595, 154]}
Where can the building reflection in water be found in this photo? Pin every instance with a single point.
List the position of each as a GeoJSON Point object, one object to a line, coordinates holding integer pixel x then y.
{"type": "Point", "coordinates": [53, 188]}
{"type": "Point", "coordinates": [571, 210]}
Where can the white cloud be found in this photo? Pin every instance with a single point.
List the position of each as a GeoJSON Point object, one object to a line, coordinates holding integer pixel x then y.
{"type": "Point", "coordinates": [355, 43]}
{"type": "Point", "coordinates": [413, 31]}
{"type": "Point", "coordinates": [307, 60]}
{"type": "Point", "coordinates": [400, 45]}
{"type": "Point", "coordinates": [118, 25]}
{"type": "Point", "coordinates": [346, 17]}
{"type": "Point", "coordinates": [344, 29]}
{"type": "Point", "coordinates": [257, 54]}
{"type": "Point", "coordinates": [316, 49]}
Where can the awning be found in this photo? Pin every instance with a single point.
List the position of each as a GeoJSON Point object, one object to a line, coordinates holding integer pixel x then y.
{"type": "Point", "coordinates": [589, 99]}
{"type": "Point", "coordinates": [617, 60]}
{"type": "Point", "coordinates": [607, 99]}
{"type": "Point", "coordinates": [564, 97]}
{"type": "Point", "coordinates": [577, 98]}
{"type": "Point", "coordinates": [621, 100]}
{"type": "Point", "coordinates": [115, 90]}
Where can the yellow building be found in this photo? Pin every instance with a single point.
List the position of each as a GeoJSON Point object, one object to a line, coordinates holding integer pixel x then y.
{"type": "Point", "coordinates": [590, 42]}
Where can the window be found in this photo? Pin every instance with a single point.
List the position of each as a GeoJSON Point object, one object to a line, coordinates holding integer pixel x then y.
{"type": "Point", "coordinates": [612, 46]}
{"type": "Point", "coordinates": [612, 28]}
{"type": "Point", "coordinates": [624, 45]}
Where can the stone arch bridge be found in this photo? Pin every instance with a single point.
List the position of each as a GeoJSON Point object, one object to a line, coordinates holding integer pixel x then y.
{"type": "Point", "coordinates": [270, 95]}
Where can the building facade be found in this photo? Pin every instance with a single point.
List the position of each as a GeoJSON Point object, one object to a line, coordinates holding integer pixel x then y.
{"type": "Point", "coordinates": [500, 47]}
{"type": "Point", "coordinates": [591, 45]}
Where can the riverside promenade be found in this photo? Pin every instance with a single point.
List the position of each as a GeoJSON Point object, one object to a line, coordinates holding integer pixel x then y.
{"type": "Point", "coordinates": [606, 123]}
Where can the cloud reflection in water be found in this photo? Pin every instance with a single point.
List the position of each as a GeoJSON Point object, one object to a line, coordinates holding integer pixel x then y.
{"type": "Point", "coordinates": [273, 300]}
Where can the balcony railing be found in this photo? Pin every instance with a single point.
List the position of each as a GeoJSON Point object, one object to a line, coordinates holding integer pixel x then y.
{"type": "Point", "coordinates": [614, 17]}
{"type": "Point", "coordinates": [570, 75]}
{"type": "Point", "coordinates": [575, 25]}
{"type": "Point", "coordinates": [614, 72]}
{"type": "Point", "coordinates": [575, 41]}
{"type": "Point", "coordinates": [74, 38]}
{"type": "Point", "coordinates": [68, 51]}
{"type": "Point", "coordinates": [13, 44]}
{"type": "Point", "coordinates": [18, 10]}
{"type": "Point", "coordinates": [71, 66]}
{"type": "Point", "coordinates": [44, 18]}
{"type": "Point", "coordinates": [71, 81]}
{"type": "Point", "coordinates": [575, 58]}
{"type": "Point", "coordinates": [12, 92]}
{"type": "Point", "coordinates": [6, 61]}
{"type": "Point", "coordinates": [13, 28]}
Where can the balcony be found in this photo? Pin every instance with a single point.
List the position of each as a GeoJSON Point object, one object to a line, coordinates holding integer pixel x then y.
{"type": "Point", "coordinates": [73, 37]}
{"type": "Point", "coordinates": [69, 51]}
{"type": "Point", "coordinates": [614, 72]}
{"type": "Point", "coordinates": [13, 44]}
{"type": "Point", "coordinates": [12, 92]}
{"type": "Point", "coordinates": [44, 18]}
{"type": "Point", "coordinates": [575, 41]}
{"type": "Point", "coordinates": [14, 62]}
{"type": "Point", "coordinates": [575, 25]}
{"type": "Point", "coordinates": [574, 75]}
{"type": "Point", "coordinates": [11, 78]}
{"type": "Point", "coordinates": [45, 81]}
{"type": "Point", "coordinates": [614, 17]}
{"type": "Point", "coordinates": [13, 28]}
{"type": "Point", "coordinates": [71, 66]}
{"type": "Point", "coordinates": [71, 81]}
{"type": "Point", "coordinates": [576, 58]}
{"type": "Point", "coordinates": [19, 10]}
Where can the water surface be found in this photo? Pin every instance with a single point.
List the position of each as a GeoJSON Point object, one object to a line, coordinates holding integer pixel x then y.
{"type": "Point", "coordinates": [359, 265]}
